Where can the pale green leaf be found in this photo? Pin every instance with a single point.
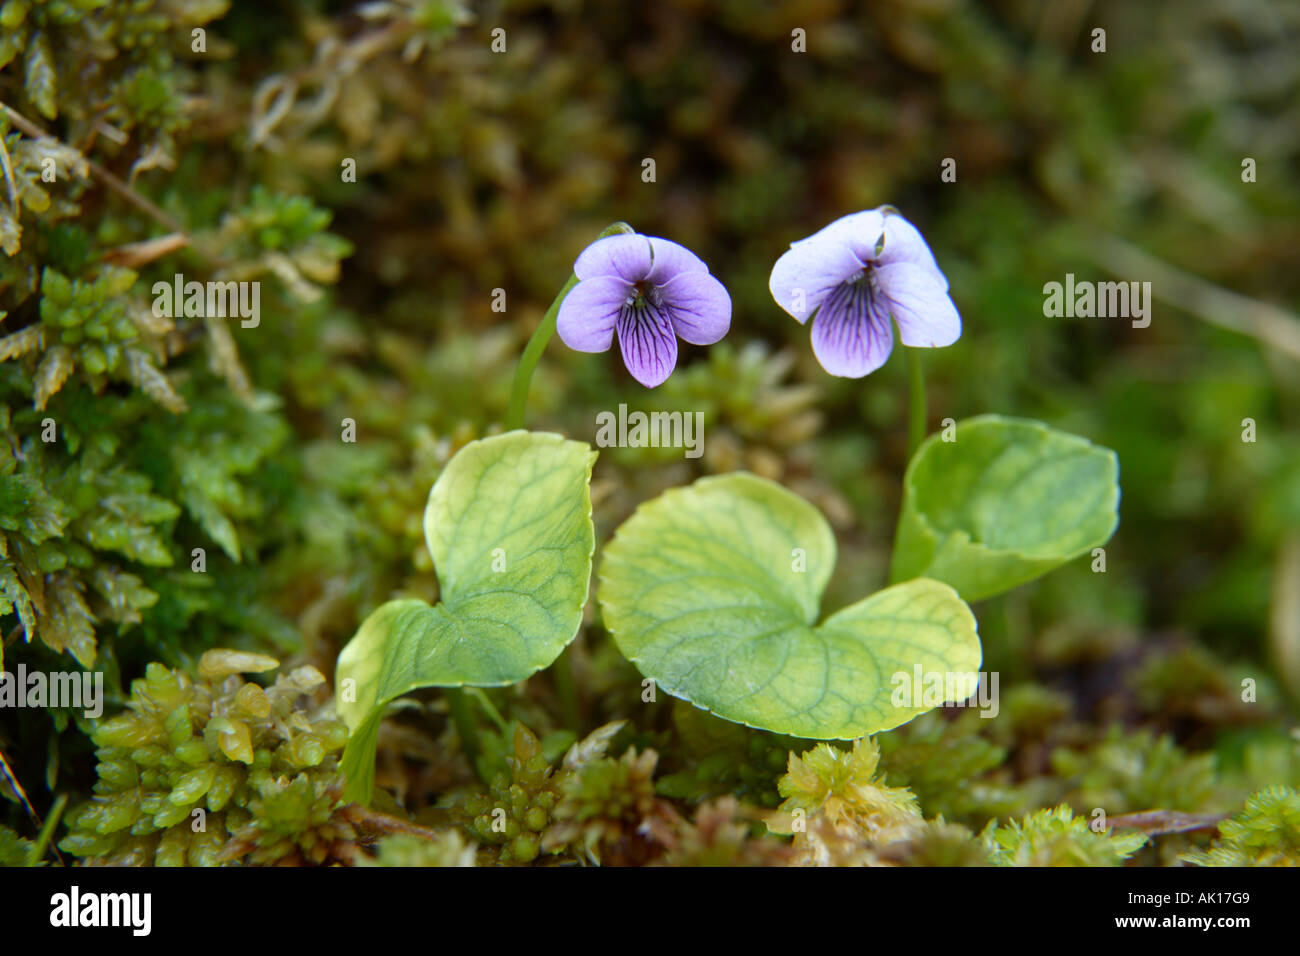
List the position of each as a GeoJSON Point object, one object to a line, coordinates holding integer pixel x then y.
{"type": "Point", "coordinates": [509, 526]}
{"type": "Point", "coordinates": [1006, 502]}
{"type": "Point", "coordinates": [713, 591]}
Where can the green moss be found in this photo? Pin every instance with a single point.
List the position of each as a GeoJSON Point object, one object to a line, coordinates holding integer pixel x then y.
{"type": "Point", "coordinates": [606, 808]}
{"type": "Point", "coordinates": [942, 844]}
{"type": "Point", "coordinates": [1057, 838]}
{"type": "Point", "coordinates": [518, 804]}
{"type": "Point", "coordinates": [951, 768]}
{"type": "Point", "coordinates": [14, 850]}
{"type": "Point", "coordinates": [1127, 773]}
{"type": "Point", "coordinates": [1265, 833]}
{"type": "Point", "coordinates": [209, 771]}
{"type": "Point", "coordinates": [725, 758]}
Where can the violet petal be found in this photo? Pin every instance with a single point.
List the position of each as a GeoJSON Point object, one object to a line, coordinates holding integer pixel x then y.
{"type": "Point", "coordinates": [589, 312]}
{"type": "Point", "coordinates": [920, 304]}
{"type": "Point", "coordinates": [670, 259]}
{"type": "Point", "coordinates": [626, 256]}
{"type": "Point", "coordinates": [859, 231]}
{"type": "Point", "coordinates": [699, 307]}
{"type": "Point", "coordinates": [648, 343]}
{"type": "Point", "coordinates": [904, 243]}
{"type": "Point", "coordinates": [807, 273]}
{"type": "Point", "coordinates": [851, 335]}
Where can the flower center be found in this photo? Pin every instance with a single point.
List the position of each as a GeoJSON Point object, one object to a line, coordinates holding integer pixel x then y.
{"type": "Point", "coordinates": [864, 279]}
{"type": "Point", "coordinates": [854, 295]}
{"type": "Point", "coordinates": [644, 293]}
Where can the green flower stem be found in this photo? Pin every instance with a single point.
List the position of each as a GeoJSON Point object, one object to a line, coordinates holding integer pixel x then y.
{"type": "Point", "coordinates": [566, 688]}
{"type": "Point", "coordinates": [485, 702]}
{"type": "Point", "coordinates": [916, 402]}
{"type": "Point", "coordinates": [528, 361]}
{"type": "Point", "coordinates": [541, 338]}
{"type": "Point", "coordinates": [42, 843]}
{"type": "Point", "coordinates": [462, 715]}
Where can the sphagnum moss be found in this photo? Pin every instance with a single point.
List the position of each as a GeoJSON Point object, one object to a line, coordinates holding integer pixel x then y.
{"type": "Point", "coordinates": [1057, 837]}
{"type": "Point", "coordinates": [607, 811]}
{"type": "Point", "coordinates": [517, 806]}
{"type": "Point", "coordinates": [205, 771]}
{"type": "Point", "coordinates": [1265, 833]}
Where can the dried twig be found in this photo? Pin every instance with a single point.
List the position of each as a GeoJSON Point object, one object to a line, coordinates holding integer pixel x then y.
{"type": "Point", "coordinates": [381, 824]}
{"type": "Point", "coordinates": [1262, 321]}
{"type": "Point", "coordinates": [133, 255]}
{"type": "Point", "coordinates": [1157, 822]}
{"type": "Point", "coordinates": [28, 128]}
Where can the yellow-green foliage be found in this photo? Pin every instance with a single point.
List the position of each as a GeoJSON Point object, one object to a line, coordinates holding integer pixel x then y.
{"type": "Point", "coordinates": [1127, 773]}
{"type": "Point", "coordinates": [1057, 838]}
{"type": "Point", "coordinates": [1265, 833]}
{"type": "Point", "coordinates": [841, 785]}
{"type": "Point", "coordinates": [839, 811]}
{"type": "Point", "coordinates": [201, 772]}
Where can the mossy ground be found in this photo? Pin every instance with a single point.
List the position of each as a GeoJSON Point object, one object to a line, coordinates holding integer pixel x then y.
{"type": "Point", "coordinates": [477, 171]}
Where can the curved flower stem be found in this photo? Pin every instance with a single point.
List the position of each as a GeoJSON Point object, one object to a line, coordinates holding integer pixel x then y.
{"type": "Point", "coordinates": [537, 344]}
{"type": "Point", "coordinates": [916, 417]}
{"type": "Point", "coordinates": [528, 361]}
{"type": "Point", "coordinates": [565, 685]}
{"type": "Point", "coordinates": [462, 715]}
{"type": "Point", "coordinates": [485, 702]}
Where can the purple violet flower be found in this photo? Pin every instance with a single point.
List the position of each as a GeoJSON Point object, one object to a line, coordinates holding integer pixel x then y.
{"type": "Point", "coordinates": [854, 275]}
{"type": "Point", "coordinates": [650, 291]}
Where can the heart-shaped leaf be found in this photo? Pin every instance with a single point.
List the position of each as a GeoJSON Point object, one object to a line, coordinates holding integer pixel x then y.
{"type": "Point", "coordinates": [1006, 502]}
{"type": "Point", "coordinates": [713, 591]}
{"type": "Point", "coordinates": [509, 526]}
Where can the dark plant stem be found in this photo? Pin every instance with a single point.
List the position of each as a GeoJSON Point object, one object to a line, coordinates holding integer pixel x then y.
{"type": "Point", "coordinates": [32, 131]}
{"type": "Point", "coordinates": [384, 824]}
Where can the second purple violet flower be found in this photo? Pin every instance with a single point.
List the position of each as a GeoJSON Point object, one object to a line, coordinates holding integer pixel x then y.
{"type": "Point", "coordinates": [852, 277]}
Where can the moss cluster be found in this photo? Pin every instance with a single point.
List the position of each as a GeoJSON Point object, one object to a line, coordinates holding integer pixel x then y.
{"type": "Point", "coordinates": [605, 809]}
{"type": "Point", "coordinates": [1058, 838]}
{"type": "Point", "coordinates": [518, 804]}
{"type": "Point", "coordinates": [201, 772]}
{"type": "Point", "coordinates": [1265, 833]}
